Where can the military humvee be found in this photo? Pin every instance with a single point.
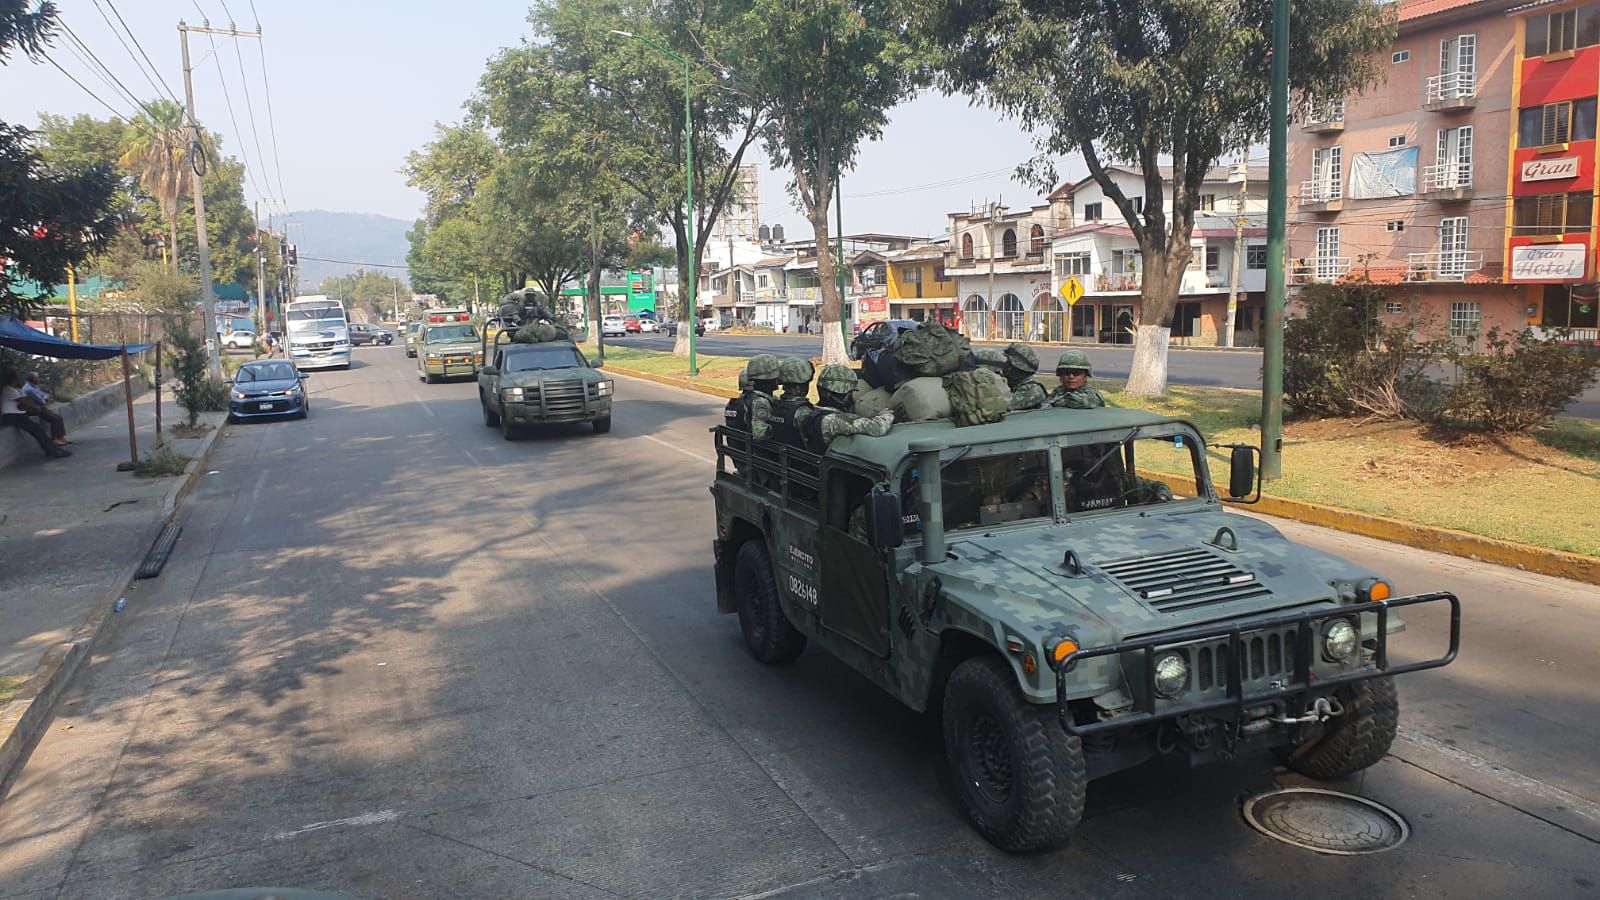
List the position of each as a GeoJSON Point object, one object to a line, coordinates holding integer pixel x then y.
{"type": "Point", "coordinates": [1068, 612]}
{"type": "Point", "coordinates": [546, 383]}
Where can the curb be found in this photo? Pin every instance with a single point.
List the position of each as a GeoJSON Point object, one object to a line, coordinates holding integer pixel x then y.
{"type": "Point", "coordinates": [1557, 563]}
{"type": "Point", "coordinates": [24, 720]}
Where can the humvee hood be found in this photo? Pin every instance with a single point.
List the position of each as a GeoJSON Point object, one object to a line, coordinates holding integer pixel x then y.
{"type": "Point", "coordinates": [539, 376]}
{"type": "Point", "coordinates": [1142, 573]}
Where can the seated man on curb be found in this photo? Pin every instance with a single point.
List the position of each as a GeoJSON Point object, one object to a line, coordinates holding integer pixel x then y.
{"type": "Point", "coordinates": [37, 403]}
{"type": "Point", "coordinates": [14, 413]}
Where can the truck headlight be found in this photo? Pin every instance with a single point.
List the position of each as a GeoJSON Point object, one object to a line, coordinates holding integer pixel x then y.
{"type": "Point", "coordinates": [1339, 640]}
{"type": "Point", "coordinates": [604, 388]}
{"type": "Point", "coordinates": [513, 394]}
{"type": "Point", "coordinates": [1172, 675]}
{"type": "Point", "coordinates": [237, 395]}
{"type": "Point", "coordinates": [433, 356]}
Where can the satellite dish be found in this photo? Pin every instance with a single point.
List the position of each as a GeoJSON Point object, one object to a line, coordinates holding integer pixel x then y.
{"type": "Point", "coordinates": [777, 233]}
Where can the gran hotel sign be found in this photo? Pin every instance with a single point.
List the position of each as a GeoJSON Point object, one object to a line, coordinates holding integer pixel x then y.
{"type": "Point", "coordinates": [1550, 169]}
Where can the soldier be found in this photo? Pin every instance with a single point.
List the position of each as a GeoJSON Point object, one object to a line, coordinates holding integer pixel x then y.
{"type": "Point", "coordinates": [1074, 393]}
{"type": "Point", "coordinates": [794, 373]}
{"type": "Point", "coordinates": [736, 414]}
{"type": "Point", "coordinates": [1022, 363]}
{"type": "Point", "coordinates": [763, 372]}
{"type": "Point", "coordinates": [831, 417]}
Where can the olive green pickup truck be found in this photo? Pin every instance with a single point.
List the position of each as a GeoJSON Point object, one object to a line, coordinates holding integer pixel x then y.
{"type": "Point", "coordinates": [547, 383]}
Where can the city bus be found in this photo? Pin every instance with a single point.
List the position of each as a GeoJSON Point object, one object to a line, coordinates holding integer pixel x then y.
{"type": "Point", "coordinates": [319, 334]}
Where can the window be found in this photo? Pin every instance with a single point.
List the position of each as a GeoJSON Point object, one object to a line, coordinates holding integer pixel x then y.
{"type": "Point", "coordinates": [910, 275]}
{"type": "Point", "coordinates": [1556, 123]}
{"type": "Point", "coordinates": [1452, 166]}
{"type": "Point", "coordinates": [938, 273]}
{"type": "Point", "coordinates": [966, 246]}
{"type": "Point", "coordinates": [1552, 214]}
{"type": "Point", "coordinates": [1138, 204]}
{"type": "Point", "coordinates": [1453, 247]}
{"type": "Point", "coordinates": [1124, 262]}
{"type": "Point", "coordinates": [1464, 318]}
{"type": "Point", "coordinates": [1393, 308]}
{"type": "Point", "coordinates": [1400, 56]}
{"type": "Point", "coordinates": [1570, 306]}
{"type": "Point", "coordinates": [1068, 264]}
{"type": "Point", "coordinates": [992, 490]}
{"type": "Point", "coordinates": [762, 280]}
{"type": "Point", "coordinates": [1255, 256]}
{"type": "Point", "coordinates": [1328, 267]}
{"type": "Point", "coordinates": [1213, 259]}
{"type": "Point", "coordinates": [1008, 243]}
{"type": "Point", "coordinates": [1398, 140]}
{"type": "Point", "coordinates": [1208, 202]}
{"type": "Point", "coordinates": [1395, 225]}
{"type": "Point", "coordinates": [1565, 30]}
{"type": "Point", "coordinates": [1459, 56]}
{"type": "Point", "coordinates": [1036, 240]}
{"type": "Point", "coordinates": [1092, 212]}
{"type": "Point", "coordinates": [1083, 321]}
{"type": "Point", "coordinates": [1327, 180]}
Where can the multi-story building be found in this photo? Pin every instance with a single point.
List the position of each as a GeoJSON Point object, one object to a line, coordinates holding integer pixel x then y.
{"type": "Point", "coordinates": [740, 219]}
{"type": "Point", "coordinates": [1404, 185]}
{"type": "Point", "coordinates": [1094, 244]}
{"type": "Point", "coordinates": [998, 260]}
{"type": "Point", "coordinates": [919, 286]}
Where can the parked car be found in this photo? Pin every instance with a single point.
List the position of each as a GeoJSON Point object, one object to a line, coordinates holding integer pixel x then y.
{"type": "Point", "coordinates": [239, 340]}
{"type": "Point", "coordinates": [362, 333]}
{"type": "Point", "coordinates": [672, 327]}
{"type": "Point", "coordinates": [630, 325]}
{"type": "Point", "coordinates": [879, 334]}
{"type": "Point", "coordinates": [648, 325]}
{"type": "Point", "coordinates": [265, 388]}
{"type": "Point", "coordinates": [613, 326]}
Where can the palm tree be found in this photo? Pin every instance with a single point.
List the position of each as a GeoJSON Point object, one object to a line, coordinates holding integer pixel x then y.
{"type": "Point", "coordinates": [155, 148]}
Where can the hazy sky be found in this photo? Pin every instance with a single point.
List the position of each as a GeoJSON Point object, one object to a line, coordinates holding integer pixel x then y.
{"type": "Point", "coordinates": [356, 86]}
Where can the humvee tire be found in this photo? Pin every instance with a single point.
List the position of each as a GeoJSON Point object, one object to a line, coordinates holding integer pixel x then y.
{"type": "Point", "coordinates": [1355, 740]}
{"type": "Point", "coordinates": [507, 430]}
{"type": "Point", "coordinates": [768, 634]}
{"type": "Point", "coordinates": [1019, 776]}
{"type": "Point", "coordinates": [490, 418]}
{"type": "Point", "coordinates": [603, 425]}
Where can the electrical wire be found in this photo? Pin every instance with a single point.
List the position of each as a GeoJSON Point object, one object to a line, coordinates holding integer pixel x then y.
{"type": "Point", "coordinates": [347, 262]}
{"type": "Point", "coordinates": [141, 66]}
{"type": "Point", "coordinates": [249, 105]}
{"type": "Point", "coordinates": [272, 125]}
{"type": "Point", "coordinates": [99, 68]}
{"type": "Point", "coordinates": [227, 98]}
{"type": "Point", "coordinates": [115, 114]}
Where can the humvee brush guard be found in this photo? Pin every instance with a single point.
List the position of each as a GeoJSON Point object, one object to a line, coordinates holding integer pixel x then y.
{"type": "Point", "coordinates": [1066, 612]}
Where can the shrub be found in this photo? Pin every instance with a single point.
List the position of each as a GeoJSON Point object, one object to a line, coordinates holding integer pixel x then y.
{"type": "Point", "coordinates": [1517, 383]}
{"type": "Point", "coordinates": [1340, 360]}
{"type": "Point", "coordinates": [197, 392]}
{"type": "Point", "coordinates": [161, 463]}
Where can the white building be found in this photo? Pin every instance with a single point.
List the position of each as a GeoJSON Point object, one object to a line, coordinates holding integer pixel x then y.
{"type": "Point", "coordinates": [1000, 262]}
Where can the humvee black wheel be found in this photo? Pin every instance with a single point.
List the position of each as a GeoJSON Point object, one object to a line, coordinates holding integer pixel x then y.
{"type": "Point", "coordinates": [507, 431]}
{"type": "Point", "coordinates": [1020, 777]}
{"type": "Point", "coordinates": [768, 633]}
{"type": "Point", "coordinates": [601, 426]}
{"type": "Point", "coordinates": [1355, 740]}
{"type": "Point", "coordinates": [431, 378]}
{"type": "Point", "coordinates": [490, 417]}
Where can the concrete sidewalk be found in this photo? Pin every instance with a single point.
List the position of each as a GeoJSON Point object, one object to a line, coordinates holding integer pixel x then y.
{"type": "Point", "coordinates": [71, 532]}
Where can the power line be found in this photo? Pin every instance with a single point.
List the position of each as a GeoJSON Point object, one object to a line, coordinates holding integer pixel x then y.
{"type": "Point", "coordinates": [96, 66]}
{"type": "Point", "coordinates": [227, 97]}
{"type": "Point", "coordinates": [347, 262]}
{"type": "Point", "coordinates": [86, 90]}
{"type": "Point", "coordinates": [249, 106]}
{"type": "Point", "coordinates": [142, 70]}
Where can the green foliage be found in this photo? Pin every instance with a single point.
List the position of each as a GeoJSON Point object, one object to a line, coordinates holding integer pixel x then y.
{"type": "Point", "coordinates": [197, 392]}
{"type": "Point", "coordinates": [370, 290]}
{"type": "Point", "coordinates": [160, 464]}
{"type": "Point", "coordinates": [1340, 359]}
{"type": "Point", "coordinates": [1517, 383]}
{"type": "Point", "coordinates": [160, 289]}
{"type": "Point", "coordinates": [647, 253]}
{"type": "Point", "coordinates": [28, 31]}
{"type": "Point", "coordinates": [50, 218]}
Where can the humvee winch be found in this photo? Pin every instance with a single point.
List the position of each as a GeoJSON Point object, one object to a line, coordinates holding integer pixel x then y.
{"type": "Point", "coordinates": [1068, 612]}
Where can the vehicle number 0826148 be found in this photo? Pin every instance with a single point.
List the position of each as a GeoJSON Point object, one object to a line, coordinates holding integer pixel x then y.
{"type": "Point", "coordinates": [803, 589]}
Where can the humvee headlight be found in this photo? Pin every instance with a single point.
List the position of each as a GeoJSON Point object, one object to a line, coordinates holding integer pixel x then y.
{"type": "Point", "coordinates": [604, 388]}
{"type": "Point", "coordinates": [1172, 675]}
{"type": "Point", "coordinates": [513, 394]}
{"type": "Point", "coordinates": [1339, 640]}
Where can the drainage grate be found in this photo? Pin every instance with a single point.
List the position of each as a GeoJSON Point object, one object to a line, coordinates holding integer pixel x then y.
{"type": "Point", "coordinates": [1326, 821]}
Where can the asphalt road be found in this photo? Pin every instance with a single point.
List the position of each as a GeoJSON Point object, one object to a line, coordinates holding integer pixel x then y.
{"type": "Point", "coordinates": [395, 655]}
{"type": "Point", "coordinates": [1202, 368]}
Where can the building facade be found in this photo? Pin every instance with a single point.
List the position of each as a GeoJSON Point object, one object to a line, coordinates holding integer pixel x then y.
{"type": "Point", "coordinates": [919, 286]}
{"type": "Point", "coordinates": [998, 259]}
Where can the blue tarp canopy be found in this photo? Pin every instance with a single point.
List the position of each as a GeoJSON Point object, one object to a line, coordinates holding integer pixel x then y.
{"type": "Point", "coordinates": [19, 336]}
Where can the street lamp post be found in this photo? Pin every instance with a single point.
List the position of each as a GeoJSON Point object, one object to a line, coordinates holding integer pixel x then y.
{"type": "Point", "coordinates": [688, 181]}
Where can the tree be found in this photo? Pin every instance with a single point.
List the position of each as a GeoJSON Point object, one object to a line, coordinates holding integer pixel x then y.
{"type": "Point", "coordinates": [450, 249]}
{"type": "Point", "coordinates": [830, 71]}
{"type": "Point", "coordinates": [52, 216]}
{"type": "Point", "coordinates": [1142, 80]}
{"type": "Point", "coordinates": [369, 290]}
{"type": "Point", "coordinates": [155, 147]}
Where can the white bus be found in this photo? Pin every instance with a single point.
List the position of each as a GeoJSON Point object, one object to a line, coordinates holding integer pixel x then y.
{"type": "Point", "coordinates": [318, 334]}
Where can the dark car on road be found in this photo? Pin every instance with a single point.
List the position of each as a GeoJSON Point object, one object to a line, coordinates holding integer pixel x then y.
{"type": "Point", "coordinates": [879, 334]}
{"type": "Point", "coordinates": [266, 388]}
{"type": "Point", "coordinates": [672, 327]}
{"type": "Point", "coordinates": [362, 333]}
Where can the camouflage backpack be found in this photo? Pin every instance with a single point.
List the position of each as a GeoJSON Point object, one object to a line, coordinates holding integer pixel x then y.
{"type": "Point", "coordinates": [977, 396]}
{"type": "Point", "coordinates": [541, 332]}
{"type": "Point", "coordinates": [932, 349]}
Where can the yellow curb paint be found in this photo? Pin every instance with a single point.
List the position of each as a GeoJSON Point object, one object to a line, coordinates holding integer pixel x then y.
{"type": "Point", "coordinates": [674, 381]}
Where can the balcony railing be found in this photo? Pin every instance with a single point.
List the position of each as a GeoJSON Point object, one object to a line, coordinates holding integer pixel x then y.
{"type": "Point", "coordinates": [1117, 281]}
{"type": "Point", "coordinates": [1452, 87]}
{"type": "Point", "coordinates": [1321, 190]}
{"type": "Point", "coordinates": [1449, 265]}
{"type": "Point", "coordinates": [1319, 270]}
{"type": "Point", "coordinates": [1449, 176]}
{"type": "Point", "coordinates": [1324, 116]}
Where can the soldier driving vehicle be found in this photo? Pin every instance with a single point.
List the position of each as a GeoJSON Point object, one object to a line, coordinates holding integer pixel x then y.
{"type": "Point", "coordinates": [1065, 612]}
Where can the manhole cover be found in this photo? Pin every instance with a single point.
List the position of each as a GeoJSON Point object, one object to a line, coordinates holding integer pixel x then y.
{"type": "Point", "coordinates": [1326, 821]}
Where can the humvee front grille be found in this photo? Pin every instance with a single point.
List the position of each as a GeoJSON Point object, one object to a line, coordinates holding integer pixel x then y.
{"type": "Point", "coordinates": [1183, 579]}
{"type": "Point", "coordinates": [563, 397]}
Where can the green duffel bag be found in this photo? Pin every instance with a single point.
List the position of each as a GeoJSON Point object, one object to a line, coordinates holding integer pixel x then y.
{"type": "Point", "coordinates": [977, 396]}
{"type": "Point", "coordinates": [931, 349]}
{"type": "Point", "coordinates": [921, 400]}
{"type": "Point", "coordinates": [874, 401]}
{"type": "Point", "coordinates": [541, 333]}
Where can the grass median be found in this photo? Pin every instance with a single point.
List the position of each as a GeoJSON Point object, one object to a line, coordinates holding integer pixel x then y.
{"type": "Point", "coordinates": [1541, 489]}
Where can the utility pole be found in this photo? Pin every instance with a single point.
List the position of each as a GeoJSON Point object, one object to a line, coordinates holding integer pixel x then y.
{"type": "Point", "coordinates": [1241, 175]}
{"type": "Point", "coordinates": [197, 165]}
{"type": "Point", "coordinates": [1277, 218]}
{"type": "Point", "coordinates": [994, 210]}
{"type": "Point", "coordinates": [261, 277]}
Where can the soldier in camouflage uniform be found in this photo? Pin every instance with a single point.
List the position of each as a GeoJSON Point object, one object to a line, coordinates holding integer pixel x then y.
{"type": "Point", "coordinates": [794, 376]}
{"type": "Point", "coordinates": [736, 414]}
{"type": "Point", "coordinates": [831, 417]}
{"type": "Point", "coordinates": [763, 372]}
{"type": "Point", "coordinates": [1074, 393]}
{"type": "Point", "coordinates": [1022, 363]}
{"type": "Point", "coordinates": [783, 413]}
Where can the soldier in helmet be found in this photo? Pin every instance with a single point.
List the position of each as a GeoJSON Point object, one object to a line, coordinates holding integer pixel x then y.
{"type": "Point", "coordinates": [1021, 364]}
{"type": "Point", "coordinates": [1074, 393]}
{"type": "Point", "coordinates": [763, 372]}
{"type": "Point", "coordinates": [832, 418]}
{"type": "Point", "coordinates": [794, 374]}
{"type": "Point", "coordinates": [736, 414]}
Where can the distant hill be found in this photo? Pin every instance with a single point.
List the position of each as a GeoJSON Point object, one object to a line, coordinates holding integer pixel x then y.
{"type": "Point", "coordinates": [358, 237]}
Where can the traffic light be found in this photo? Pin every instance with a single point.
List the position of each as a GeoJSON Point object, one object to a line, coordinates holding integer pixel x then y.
{"type": "Point", "coordinates": [293, 255]}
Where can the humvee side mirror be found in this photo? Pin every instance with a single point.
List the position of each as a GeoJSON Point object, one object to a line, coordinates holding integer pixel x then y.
{"type": "Point", "coordinates": [883, 519]}
{"type": "Point", "coordinates": [598, 364]}
{"type": "Point", "coordinates": [488, 370]}
{"type": "Point", "coordinates": [1243, 477]}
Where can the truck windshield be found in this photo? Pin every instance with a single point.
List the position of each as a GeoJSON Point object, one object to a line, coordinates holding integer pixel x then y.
{"type": "Point", "coordinates": [535, 358]}
{"type": "Point", "coordinates": [446, 334]}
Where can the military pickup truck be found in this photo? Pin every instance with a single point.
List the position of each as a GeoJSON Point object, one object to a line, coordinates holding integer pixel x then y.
{"type": "Point", "coordinates": [448, 350]}
{"type": "Point", "coordinates": [1069, 607]}
{"type": "Point", "coordinates": [546, 383]}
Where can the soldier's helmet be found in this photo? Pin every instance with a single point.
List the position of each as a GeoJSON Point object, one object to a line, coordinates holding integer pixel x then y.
{"type": "Point", "coordinates": [837, 379]}
{"type": "Point", "coordinates": [795, 370]}
{"type": "Point", "coordinates": [763, 367]}
{"type": "Point", "coordinates": [1023, 358]}
{"type": "Point", "coordinates": [744, 381]}
{"type": "Point", "coordinates": [1072, 360]}
{"type": "Point", "coordinates": [989, 358]}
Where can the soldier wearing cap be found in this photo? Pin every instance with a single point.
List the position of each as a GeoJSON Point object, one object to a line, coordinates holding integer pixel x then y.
{"type": "Point", "coordinates": [1022, 363]}
{"type": "Point", "coordinates": [1074, 393]}
{"type": "Point", "coordinates": [831, 417]}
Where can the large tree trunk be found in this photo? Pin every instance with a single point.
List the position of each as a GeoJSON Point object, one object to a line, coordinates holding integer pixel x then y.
{"type": "Point", "coordinates": [1158, 298]}
{"type": "Point", "coordinates": [833, 349]}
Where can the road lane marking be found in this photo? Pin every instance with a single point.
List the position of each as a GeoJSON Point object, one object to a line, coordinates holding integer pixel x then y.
{"type": "Point", "coordinates": [255, 497]}
{"type": "Point", "coordinates": [1543, 791]}
{"type": "Point", "coordinates": [372, 818]}
{"type": "Point", "coordinates": [671, 446]}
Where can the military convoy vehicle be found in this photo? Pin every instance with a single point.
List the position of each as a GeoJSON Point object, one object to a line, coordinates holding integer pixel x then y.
{"type": "Point", "coordinates": [1066, 605]}
{"type": "Point", "coordinates": [545, 383]}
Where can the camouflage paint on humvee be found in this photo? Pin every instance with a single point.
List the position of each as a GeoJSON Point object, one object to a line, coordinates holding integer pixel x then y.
{"type": "Point", "coordinates": [1068, 615]}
